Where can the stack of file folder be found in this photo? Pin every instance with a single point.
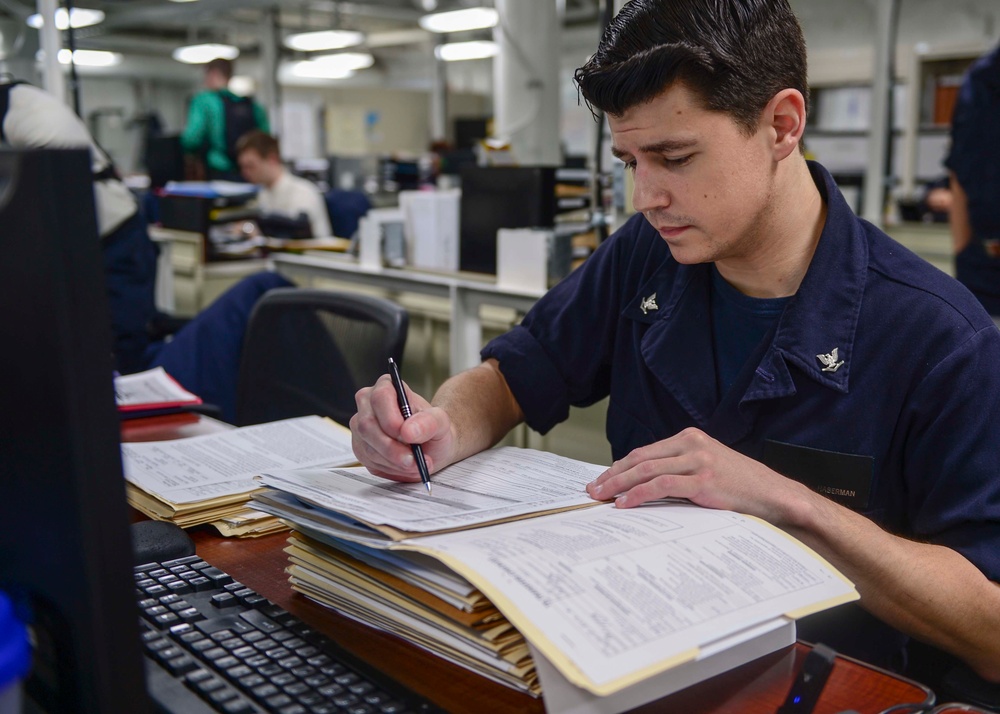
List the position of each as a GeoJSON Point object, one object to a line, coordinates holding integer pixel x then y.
{"type": "Point", "coordinates": [509, 569]}
{"type": "Point", "coordinates": [210, 478]}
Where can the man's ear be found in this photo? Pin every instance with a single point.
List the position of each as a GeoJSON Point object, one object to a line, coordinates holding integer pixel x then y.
{"type": "Point", "coordinates": [785, 117]}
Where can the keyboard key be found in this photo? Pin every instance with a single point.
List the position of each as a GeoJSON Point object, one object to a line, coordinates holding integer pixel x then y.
{"type": "Point", "coordinates": [261, 621]}
{"type": "Point", "coordinates": [251, 680]}
{"type": "Point", "coordinates": [278, 700]}
{"type": "Point", "coordinates": [240, 670]}
{"type": "Point", "coordinates": [209, 685]}
{"type": "Point", "coordinates": [296, 689]}
{"type": "Point", "coordinates": [264, 690]}
{"type": "Point", "coordinates": [226, 662]}
{"type": "Point", "coordinates": [166, 619]}
{"type": "Point", "coordinates": [191, 614]}
{"type": "Point", "coordinates": [284, 678]}
{"type": "Point", "coordinates": [223, 695]}
{"type": "Point", "coordinates": [216, 576]}
{"type": "Point", "coordinates": [331, 690]}
{"type": "Point", "coordinates": [239, 705]}
{"type": "Point", "coordinates": [197, 675]}
{"type": "Point", "coordinates": [180, 665]}
{"type": "Point", "coordinates": [224, 600]}
{"type": "Point", "coordinates": [201, 584]}
{"type": "Point", "coordinates": [293, 709]}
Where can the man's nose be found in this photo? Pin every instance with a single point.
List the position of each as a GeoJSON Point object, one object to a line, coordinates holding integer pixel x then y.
{"type": "Point", "coordinates": [648, 193]}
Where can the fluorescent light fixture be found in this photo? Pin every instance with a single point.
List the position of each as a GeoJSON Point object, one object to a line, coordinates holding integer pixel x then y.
{"type": "Point", "coordinates": [81, 17]}
{"type": "Point", "coordinates": [324, 40]}
{"type": "Point", "coordinates": [474, 18]}
{"type": "Point", "coordinates": [457, 51]}
{"type": "Point", "coordinates": [345, 61]}
{"type": "Point", "coordinates": [311, 69]}
{"type": "Point", "coordinates": [200, 54]}
{"type": "Point", "coordinates": [90, 58]}
{"type": "Point", "coordinates": [85, 58]}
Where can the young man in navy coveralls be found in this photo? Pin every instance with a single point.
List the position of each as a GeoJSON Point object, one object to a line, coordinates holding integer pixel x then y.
{"type": "Point", "coordinates": [764, 349]}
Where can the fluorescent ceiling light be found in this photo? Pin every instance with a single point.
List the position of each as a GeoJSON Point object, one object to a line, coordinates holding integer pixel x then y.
{"type": "Point", "coordinates": [82, 17]}
{"type": "Point", "coordinates": [90, 58]}
{"type": "Point", "coordinates": [200, 54]}
{"type": "Point", "coordinates": [324, 40]}
{"type": "Point", "coordinates": [85, 58]}
{"type": "Point", "coordinates": [456, 51]}
{"type": "Point", "coordinates": [474, 18]}
{"type": "Point", "coordinates": [310, 69]}
{"type": "Point", "coordinates": [345, 61]}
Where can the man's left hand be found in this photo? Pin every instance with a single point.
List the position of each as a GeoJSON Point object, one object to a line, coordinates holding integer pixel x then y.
{"type": "Point", "coordinates": [694, 466]}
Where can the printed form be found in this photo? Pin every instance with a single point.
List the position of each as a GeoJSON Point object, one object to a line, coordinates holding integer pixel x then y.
{"type": "Point", "coordinates": [188, 470]}
{"type": "Point", "coordinates": [493, 485]}
{"type": "Point", "coordinates": [613, 596]}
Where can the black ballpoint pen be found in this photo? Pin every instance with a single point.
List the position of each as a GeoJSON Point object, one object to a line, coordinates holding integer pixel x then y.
{"type": "Point", "coordinates": [404, 408]}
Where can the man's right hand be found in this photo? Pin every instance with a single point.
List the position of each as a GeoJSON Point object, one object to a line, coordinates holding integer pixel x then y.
{"type": "Point", "coordinates": [382, 438]}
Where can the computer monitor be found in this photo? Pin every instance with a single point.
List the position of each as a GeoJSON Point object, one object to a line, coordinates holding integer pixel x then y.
{"type": "Point", "coordinates": [65, 552]}
{"type": "Point", "coordinates": [495, 197]}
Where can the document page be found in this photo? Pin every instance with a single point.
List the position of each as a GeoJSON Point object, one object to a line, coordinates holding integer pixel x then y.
{"type": "Point", "coordinates": [613, 596]}
{"type": "Point", "coordinates": [492, 485]}
{"type": "Point", "coordinates": [214, 465]}
{"type": "Point", "coordinates": [152, 388]}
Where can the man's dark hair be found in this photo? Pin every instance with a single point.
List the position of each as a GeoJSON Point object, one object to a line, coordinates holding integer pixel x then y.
{"type": "Point", "coordinates": [735, 55]}
{"type": "Point", "coordinates": [222, 66]}
{"type": "Point", "coordinates": [259, 141]}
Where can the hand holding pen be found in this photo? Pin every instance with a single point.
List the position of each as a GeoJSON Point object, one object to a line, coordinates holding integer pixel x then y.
{"type": "Point", "coordinates": [404, 408]}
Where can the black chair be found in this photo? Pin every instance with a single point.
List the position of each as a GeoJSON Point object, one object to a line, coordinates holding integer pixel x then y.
{"type": "Point", "coordinates": [309, 351]}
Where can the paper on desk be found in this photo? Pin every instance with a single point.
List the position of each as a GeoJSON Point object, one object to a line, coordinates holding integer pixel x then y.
{"type": "Point", "coordinates": [630, 593]}
{"type": "Point", "coordinates": [153, 388]}
{"type": "Point", "coordinates": [491, 486]}
{"type": "Point", "coordinates": [215, 465]}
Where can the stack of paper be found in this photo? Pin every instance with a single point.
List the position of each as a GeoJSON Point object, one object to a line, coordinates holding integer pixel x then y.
{"type": "Point", "coordinates": [612, 599]}
{"type": "Point", "coordinates": [151, 392]}
{"type": "Point", "coordinates": [209, 479]}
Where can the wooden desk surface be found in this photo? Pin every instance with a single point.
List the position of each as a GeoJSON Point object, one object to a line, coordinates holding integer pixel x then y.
{"type": "Point", "coordinates": [758, 687]}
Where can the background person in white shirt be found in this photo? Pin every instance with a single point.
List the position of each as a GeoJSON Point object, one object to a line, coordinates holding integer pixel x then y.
{"type": "Point", "coordinates": [259, 157]}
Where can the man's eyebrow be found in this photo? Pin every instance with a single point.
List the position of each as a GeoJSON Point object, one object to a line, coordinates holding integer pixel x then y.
{"type": "Point", "coordinates": [665, 146]}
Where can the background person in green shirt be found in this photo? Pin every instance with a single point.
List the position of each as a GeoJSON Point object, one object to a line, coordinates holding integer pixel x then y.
{"type": "Point", "coordinates": [217, 118]}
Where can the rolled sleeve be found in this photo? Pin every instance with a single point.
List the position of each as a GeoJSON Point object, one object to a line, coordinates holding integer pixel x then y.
{"type": "Point", "coordinates": [534, 379]}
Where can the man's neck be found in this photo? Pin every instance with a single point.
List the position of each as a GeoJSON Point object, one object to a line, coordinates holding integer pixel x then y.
{"type": "Point", "coordinates": [275, 177]}
{"type": "Point", "coordinates": [788, 235]}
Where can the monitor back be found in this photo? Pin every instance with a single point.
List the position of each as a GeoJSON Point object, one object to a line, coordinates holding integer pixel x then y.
{"type": "Point", "coordinates": [495, 197]}
{"type": "Point", "coordinates": [65, 553]}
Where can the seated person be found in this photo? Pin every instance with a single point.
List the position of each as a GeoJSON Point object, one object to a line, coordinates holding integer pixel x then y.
{"type": "Point", "coordinates": [764, 350]}
{"type": "Point", "coordinates": [204, 355]}
{"type": "Point", "coordinates": [259, 157]}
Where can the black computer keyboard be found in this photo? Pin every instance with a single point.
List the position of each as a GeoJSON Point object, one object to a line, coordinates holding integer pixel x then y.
{"type": "Point", "coordinates": [214, 645]}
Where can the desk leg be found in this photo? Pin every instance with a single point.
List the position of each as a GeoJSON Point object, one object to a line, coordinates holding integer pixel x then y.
{"type": "Point", "coordinates": [466, 334]}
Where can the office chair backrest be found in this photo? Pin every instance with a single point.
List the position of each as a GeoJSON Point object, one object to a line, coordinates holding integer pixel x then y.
{"type": "Point", "coordinates": [309, 351]}
{"type": "Point", "coordinates": [346, 209]}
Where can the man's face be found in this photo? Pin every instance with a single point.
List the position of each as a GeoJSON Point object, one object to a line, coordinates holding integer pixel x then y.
{"type": "Point", "coordinates": [699, 180]}
{"type": "Point", "coordinates": [255, 168]}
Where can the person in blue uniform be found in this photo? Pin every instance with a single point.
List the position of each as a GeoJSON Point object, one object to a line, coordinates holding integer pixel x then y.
{"type": "Point", "coordinates": [974, 169]}
{"type": "Point", "coordinates": [764, 349]}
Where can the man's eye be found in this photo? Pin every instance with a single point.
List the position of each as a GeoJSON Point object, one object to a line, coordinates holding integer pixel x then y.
{"type": "Point", "coordinates": [678, 161]}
